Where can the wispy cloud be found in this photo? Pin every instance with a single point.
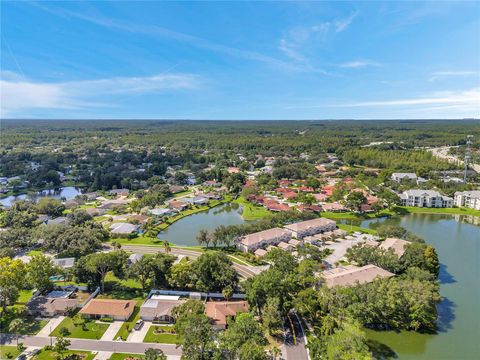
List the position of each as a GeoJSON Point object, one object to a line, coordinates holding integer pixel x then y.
{"type": "Point", "coordinates": [453, 73]}
{"type": "Point", "coordinates": [467, 100]}
{"type": "Point", "coordinates": [18, 94]}
{"type": "Point", "coordinates": [296, 40]}
{"type": "Point", "coordinates": [359, 64]}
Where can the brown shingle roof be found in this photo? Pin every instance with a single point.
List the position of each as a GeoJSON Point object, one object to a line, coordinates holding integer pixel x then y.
{"type": "Point", "coordinates": [397, 245]}
{"type": "Point", "coordinates": [218, 311]}
{"type": "Point", "coordinates": [354, 275]}
{"type": "Point", "coordinates": [109, 307]}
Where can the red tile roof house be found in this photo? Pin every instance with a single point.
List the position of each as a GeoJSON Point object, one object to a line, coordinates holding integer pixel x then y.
{"type": "Point", "coordinates": [115, 309]}
{"type": "Point", "coordinates": [257, 199]}
{"type": "Point", "coordinates": [309, 208]}
{"type": "Point", "coordinates": [289, 195]}
{"type": "Point", "coordinates": [284, 183]}
{"type": "Point", "coordinates": [333, 207]}
{"type": "Point", "coordinates": [274, 205]}
{"type": "Point", "coordinates": [320, 197]}
{"type": "Point", "coordinates": [261, 239]}
{"type": "Point", "coordinates": [328, 190]}
{"type": "Point", "coordinates": [233, 170]}
{"type": "Point", "coordinates": [220, 311]}
{"type": "Point", "coordinates": [306, 189]}
{"type": "Point", "coordinates": [311, 227]}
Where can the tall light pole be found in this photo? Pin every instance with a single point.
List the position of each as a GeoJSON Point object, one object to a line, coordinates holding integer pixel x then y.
{"type": "Point", "coordinates": [468, 156]}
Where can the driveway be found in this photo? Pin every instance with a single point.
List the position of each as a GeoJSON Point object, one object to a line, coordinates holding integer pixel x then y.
{"type": "Point", "coordinates": [294, 350]}
{"type": "Point", "coordinates": [139, 335]}
{"type": "Point", "coordinates": [51, 325]}
{"type": "Point", "coordinates": [103, 355]}
{"type": "Point", "coordinates": [112, 331]}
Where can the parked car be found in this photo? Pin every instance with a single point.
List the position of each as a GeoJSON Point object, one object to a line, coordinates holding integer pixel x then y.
{"type": "Point", "coordinates": [138, 325]}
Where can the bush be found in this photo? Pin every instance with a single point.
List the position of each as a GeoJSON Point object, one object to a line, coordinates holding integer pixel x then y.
{"type": "Point", "coordinates": [106, 319]}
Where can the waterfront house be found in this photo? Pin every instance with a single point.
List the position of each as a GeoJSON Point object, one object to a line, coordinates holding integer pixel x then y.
{"type": "Point", "coordinates": [397, 245]}
{"type": "Point", "coordinates": [352, 275]}
{"type": "Point", "coordinates": [425, 198]}
{"type": "Point", "coordinates": [122, 228]}
{"type": "Point", "coordinates": [311, 227]}
{"type": "Point", "coordinates": [261, 239]}
{"type": "Point", "coordinates": [469, 199]}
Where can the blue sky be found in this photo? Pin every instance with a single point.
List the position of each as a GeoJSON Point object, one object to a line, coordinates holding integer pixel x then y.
{"type": "Point", "coordinates": [240, 60]}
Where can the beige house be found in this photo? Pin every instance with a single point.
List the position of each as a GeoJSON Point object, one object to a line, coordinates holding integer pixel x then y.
{"type": "Point", "coordinates": [158, 308]}
{"type": "Point", "coordinates": [352, 275]}
{"type": "Point", "coordinates": [311, 227]}
{"type": "Point", "coordinates": [252, 242]}
{"type": "Point", "coordinates": [220, 311]}
{"type": "Point", "coordinates": [115, 309]}
{"type": "Point", "coordinates": [397, 245]}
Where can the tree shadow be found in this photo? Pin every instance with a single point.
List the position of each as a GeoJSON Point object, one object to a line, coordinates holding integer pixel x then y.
{"type": "Point", "coordinates": [444, 276]}
{"type": "Point", "coordinates": [381, 351]}
{"type": "Point", "coordinates": [446, 315]}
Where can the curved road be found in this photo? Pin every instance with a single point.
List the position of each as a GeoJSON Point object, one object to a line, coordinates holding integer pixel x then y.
{"type": "Point", "coordinates": [243, 270]}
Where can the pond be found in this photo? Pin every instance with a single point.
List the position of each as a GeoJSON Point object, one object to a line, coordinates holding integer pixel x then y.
{"type": "Point", "coordinates": [457, 241]}
{"type": "Point", "coordinates": [184, 231]}
{"type": "Point", "coordinates": [68, 192]}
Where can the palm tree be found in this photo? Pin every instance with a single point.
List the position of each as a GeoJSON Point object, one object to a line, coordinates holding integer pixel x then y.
{"type": "Point", "coordinates": [16, 327]}
{"type": "Point", "coordinates": [166, 246]}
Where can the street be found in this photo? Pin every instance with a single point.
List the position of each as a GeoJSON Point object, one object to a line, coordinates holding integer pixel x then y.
{"type": "Point", "coordinates": [294, 350]}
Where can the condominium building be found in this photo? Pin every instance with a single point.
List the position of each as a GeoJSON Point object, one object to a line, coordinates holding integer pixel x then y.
{"type": "Point", "coordinates": [469, 199]}
{"type": "Point", "coordinates": [311, 227]}
{"type": "Point", "coordinates": [425, 198]}
{"type": "Point", "coordinates": [252, 242]}
{"type": "Point", "coordinates": [399, 177]}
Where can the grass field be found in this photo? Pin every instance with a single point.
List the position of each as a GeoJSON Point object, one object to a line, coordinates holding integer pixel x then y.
{"type": "Point", "coordinates": [454, 211]}
{"type": "Point", "coordinates": [251, 211]}
{"type": "Point", "coordinates": [93, 330]}
{"type": "Point", "coordinates": [128, 325]}
{"type": "Point", "coordinates": [8, 352]}
{"type": "Point", "coordinates": [163, 338]}
{"type": "Point", "coordinates": [48, 355]}
{"type": "Point", "coordinates": [353, 228]}
{"type": "Point", "coordinates": [122, 356]}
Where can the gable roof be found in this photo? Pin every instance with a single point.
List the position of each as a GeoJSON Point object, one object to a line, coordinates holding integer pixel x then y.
{"type": "Point", "coordinates": [397, 245]}
{"type": "Point", "coordinates": [354, 275]}
{"type": "Point", "coordinates": [159, 307]}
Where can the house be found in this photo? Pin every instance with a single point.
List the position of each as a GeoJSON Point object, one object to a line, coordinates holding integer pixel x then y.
{"type": "Point", "coordinates": [176, 188]}
{"type": "Point", "coordinates": [141, 219]}
{"type": "Point", "coordinates": [425, 198]}
{"type": "Point", "coordinates": [158, 308]}
{"type": "Point", "coordinates": [294, 242]}
{"type": "Point", "coordinates": [178, 205]}
{"type": "Point", "coordinates": [133, 258]}
{"type": "Point", "coordinates": [274, 205]}
{"type": "Point", "coordinates": [397, 245]}
{"type": "Point", "coordinates": [328, 190]}
{"type": "Point", "coordinates": [320, 197]}
{"type": "Point", "coordinates": [119, 192]}
{"type": "Point", "coordinates": [59, 302]}
{"type": "Point", "coordinates": [399, 177]}
{"type": "Point", "coordinates": [309, 208]}
{"type": "Point", "coordinates": [64, 263]}
{"type": "Point", "coordinates": [61, 220]}
{"type": "Point", "coordinates": [233, 170]}
{"type": "Point", "coordinates": [115, 309]}
{"type": "Point", "coordinates": [469, 199]}
{"type": "Point", "coordinates": [91, 196]}
{"type": "Point", "coordinates": [285, 246]}
{"type": "Point", "coordinates": [311, 227]}
{"type": "Point", "coordinates": [122, 228]}
{"type": "Point", "coordinates": [252, 242]}
{"type": "Point", "coordinates": [199, 200]}
{"type": "Point", "coordinates": [352, 275]}
{"type": "Point", "coordinates": [212, 183]}
{"type": "Point", "coordinates": [333, 207]}
{"type": "Point", "coordinates": [220, 311]}
{"type": "Point", "coordinates": [161, 212]}
{"type": "Point", "coordinates": [94, 211]}
{"type": "Point", "coordinates": [260, 252]}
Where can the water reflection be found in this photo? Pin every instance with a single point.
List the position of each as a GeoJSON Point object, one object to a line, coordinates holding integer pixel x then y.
{"type": "Point", "coordinates": [67, 193]}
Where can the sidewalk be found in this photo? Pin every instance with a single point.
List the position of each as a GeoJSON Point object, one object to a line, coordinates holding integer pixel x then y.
{"type": "Point", "coordinates": [51, 325]}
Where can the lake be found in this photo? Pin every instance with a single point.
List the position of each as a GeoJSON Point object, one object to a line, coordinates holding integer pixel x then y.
{"type": "Point", "coordinates": [184, 231]}
{"type": "Point", "coordinates": [68, 192]}
{"type": "Point", "coordinates": [457, 242]}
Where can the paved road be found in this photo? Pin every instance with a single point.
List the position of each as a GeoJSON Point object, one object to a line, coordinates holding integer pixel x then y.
{"type": "Point", "coordinates": [443, 152]}
{"type": "Point", "coordinates": [298, 350]}
{"type": "Point", "coordinates": [98, 345]}
{"type": "Point", "coordinates": [243, 270]}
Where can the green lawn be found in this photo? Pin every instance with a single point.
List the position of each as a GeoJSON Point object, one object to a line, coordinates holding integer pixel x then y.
{"type": "Point", "coordinates": [128, 289]}
{"type": "Point", "coordinates": [353, 228]}
{"type": "Point", "coordinates": [251, 211]}
{"type": "Point", "coordinates": [93, 330]}
{"type": "Point", "coordinates": [8, 352]}
{"type": "Point", "coordinates": [456, 210]}
{"type": "Point", "coordinates": [164, 338]}
{"type": "Point", "coordinates": [32, 325]}
{"type": "Point", "coordinates": [182, 193]}
{"type": "Point", "coordinates": [352, 215]}
{"type": "Point", "coordinates": [122, 356]}
{"type": "Point", "coordinates": [128, 325]}
{"type": "Point", "coordinates": [24, 296]}
{"type": "Point", "coordinates": [48, 355]}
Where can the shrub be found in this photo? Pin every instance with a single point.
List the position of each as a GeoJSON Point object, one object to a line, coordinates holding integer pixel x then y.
{"type": "Point", "coordinates": [106, 319]}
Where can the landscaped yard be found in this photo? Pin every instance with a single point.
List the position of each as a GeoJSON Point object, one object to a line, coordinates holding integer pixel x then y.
{"type": "Point", "coordinates": [92, 330]}
{"type": "Point", "coordinates": [153, 336]}
{"type": "Point", "coordinates": [456, 210]}
{"type": "Point", "coordinates": [31, 325]}
{"type": "Point", "coordinates": [251, 211]}
{"type": "Point", "coordinates": [48, 355]}
{"type": "Point", "coordinates": [128, 325]}
{"type": "Point", "coordinates": [8, 352]}
{"type": "Point", "coordinates": [121, 356]}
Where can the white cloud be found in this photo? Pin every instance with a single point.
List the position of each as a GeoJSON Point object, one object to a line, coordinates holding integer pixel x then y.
{"type": "Point", "coordinates": [343, 24]}
{"type": "Point", "coordinates": [359, 64]}
{"type": "Point", "coordinates": [18, 94]}
{"type": "Point", "coordinates": [466, 103]}
{"type": "Point", "coordinates": [453, 73]}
